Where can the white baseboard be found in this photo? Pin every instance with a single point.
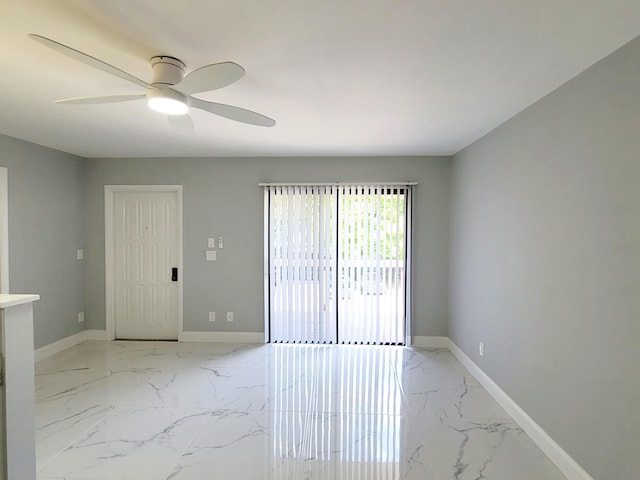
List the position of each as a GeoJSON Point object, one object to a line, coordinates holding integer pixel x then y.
{"type": "Point", "coordinates": [222, 337]}
{"type": "Point", "coordinates": [60, 345]}
{"type": "Point", "coordinates": [430, 342]}
{"type": "Point", "coordinates": [555, 452]}
{"type": "Point", "coordinates": [97, 335]}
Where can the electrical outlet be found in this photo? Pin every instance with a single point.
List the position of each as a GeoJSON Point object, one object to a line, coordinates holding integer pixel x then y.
{"type": "Point", "coordinates": [229, 316]}
{"type": "Point", "coordinates": [220, 241]}
{"type": "Point", "coordinates": [212, 316]}
{"type": "Point", "coordinates": [481, 349]}
{"type": "Point", "coordinates": [80, 254]}
{"type": "Point", "coordinates": [80, 317]}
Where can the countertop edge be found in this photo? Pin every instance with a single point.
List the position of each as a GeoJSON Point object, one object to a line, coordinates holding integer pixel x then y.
{"type": "Point", "coordinates": [11, 300]}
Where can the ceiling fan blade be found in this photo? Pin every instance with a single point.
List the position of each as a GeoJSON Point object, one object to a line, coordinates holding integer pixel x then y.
{"type": "Point", "coordinates": [233, 113]}
{"type": "Point", "coordinates": [182, 123]}
{"type": "Point", "coordinates": [210, 77]}
{"type": "Point", "coordinates": [95, 100]}
{"type": "Point", "coordinates": [87, 59]}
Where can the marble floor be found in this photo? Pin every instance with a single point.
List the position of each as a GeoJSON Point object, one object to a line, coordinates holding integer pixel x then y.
{"type": "Point", "coordinates": [185, 411]}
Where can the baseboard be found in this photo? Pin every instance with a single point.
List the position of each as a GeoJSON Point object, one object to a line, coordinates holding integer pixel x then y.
{"type": "Point", "coordinates": [555, 452]}
{"type": "Point", "coordinates": [222, 337]}
{"type": "Point", "coordinates": [430, 342]}
{"type": "Point", "coordinates": [60, 345]}
{"type": "Point", "coordinates": [97, 335]}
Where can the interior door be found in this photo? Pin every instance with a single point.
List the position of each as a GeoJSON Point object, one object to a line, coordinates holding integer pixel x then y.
{"type": "Point", "coordinates": [146, 276]}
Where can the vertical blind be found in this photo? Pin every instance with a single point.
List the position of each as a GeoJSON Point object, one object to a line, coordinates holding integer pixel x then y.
{"type": "Point", "coordinates": [302, 259]}
{"type": "Point", "coordinates": [371, 263]}
{"type": "Point", "coordinates": [337, 258]}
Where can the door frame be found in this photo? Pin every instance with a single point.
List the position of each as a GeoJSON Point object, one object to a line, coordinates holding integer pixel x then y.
{"type": "Point", "coordinates": [4, 230]}
{"type": "Point", "coordinates": [409, 218]}
{"type": "Point", "coordinates": [109, 249]}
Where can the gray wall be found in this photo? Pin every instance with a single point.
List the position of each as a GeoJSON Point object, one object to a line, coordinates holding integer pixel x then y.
{"type": "Point", "coordinates": [45, 229]}
{"type": "Point", "coordinates": [546, 262]}
{"type": "Point", "coordinates": [221, 197]}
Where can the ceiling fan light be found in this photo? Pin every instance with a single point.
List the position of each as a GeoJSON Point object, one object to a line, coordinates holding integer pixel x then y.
{"type": "Point", "coordinates": [167, 101]}
{"type": "Point", "coordinates": [168, 106]}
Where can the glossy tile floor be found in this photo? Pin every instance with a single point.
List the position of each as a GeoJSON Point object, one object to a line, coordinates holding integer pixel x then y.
{"type": "Point", "coordinates": [180, 411]}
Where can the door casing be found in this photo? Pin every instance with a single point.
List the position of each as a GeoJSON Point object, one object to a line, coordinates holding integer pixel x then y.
{"type": "Point", "coordinates": [4, 230]}
{"type": "Point", "coordinates": [109, 205]}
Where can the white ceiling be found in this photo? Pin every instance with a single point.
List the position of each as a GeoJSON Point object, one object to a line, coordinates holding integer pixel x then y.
{"type": "Point", "coordinates": [350, 77]}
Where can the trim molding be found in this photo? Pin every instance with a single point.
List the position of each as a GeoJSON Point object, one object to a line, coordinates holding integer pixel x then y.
{"type": "Point", "coordinates": [97, 335]}
{"type": "Point", "coordinates": [555, 452]}
{"type": "Point", "coordinates": [430, 342]}
{"type": "Point", "coordinates": [4, 230]}
{"type": "Point", "coordinates": [60, 345]}
{"type": "Point", "coordinates": [223, 337]}
{"type": "Point", "coordinates": [68, 342]}
{"type": "Point", "coordinates": [101, 335]}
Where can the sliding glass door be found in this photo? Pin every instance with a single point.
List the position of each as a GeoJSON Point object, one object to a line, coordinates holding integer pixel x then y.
{"type": "Point", "coordinates": [337, 257]}
{"type": "Point", "coordinates": [371, 265]}
{"type": "Point", "coordinates": [302, 261]}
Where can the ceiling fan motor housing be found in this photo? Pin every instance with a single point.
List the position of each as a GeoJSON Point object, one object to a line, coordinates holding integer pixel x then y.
{"type": "Point", "coordinates": [167, 70]}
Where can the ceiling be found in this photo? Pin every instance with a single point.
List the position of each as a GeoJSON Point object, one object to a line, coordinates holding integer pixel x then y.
{"type": "Point", "coordinates": [341, 78]}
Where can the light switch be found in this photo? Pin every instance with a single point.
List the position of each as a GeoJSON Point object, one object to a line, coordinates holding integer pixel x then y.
{"type": "Point", "coordinates": [80, 254]}
{"type": "Point", "coordinates": [211, 242]}
{"type": "Point", "coordinates": [220, 241]}
{"type": "Point", "coordinates": [211, 255]}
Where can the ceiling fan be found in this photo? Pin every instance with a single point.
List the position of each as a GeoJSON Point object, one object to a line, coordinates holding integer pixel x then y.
{"type": "Point", "coordinates": [170, 91]}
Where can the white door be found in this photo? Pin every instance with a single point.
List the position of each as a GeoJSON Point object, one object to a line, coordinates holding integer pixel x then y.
{"type": "Point", "coordinates": [146, 276]}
